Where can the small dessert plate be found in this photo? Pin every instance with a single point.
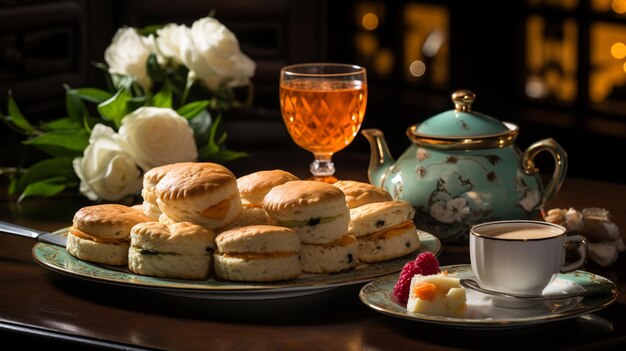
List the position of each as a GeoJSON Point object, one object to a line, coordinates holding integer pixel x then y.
{"type": "Point", "coordinates": [482, 313]}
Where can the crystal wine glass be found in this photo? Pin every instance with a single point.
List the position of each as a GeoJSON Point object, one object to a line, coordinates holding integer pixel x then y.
{"type": "Point", "coordinates": [323, 105]}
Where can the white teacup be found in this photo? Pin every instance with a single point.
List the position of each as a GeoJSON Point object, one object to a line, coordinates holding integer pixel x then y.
{"type": "Point", "coordinates": [521, 256]}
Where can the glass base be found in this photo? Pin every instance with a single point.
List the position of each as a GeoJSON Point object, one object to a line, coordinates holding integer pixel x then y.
{"type": "Point", "coordinates": [322, 166]}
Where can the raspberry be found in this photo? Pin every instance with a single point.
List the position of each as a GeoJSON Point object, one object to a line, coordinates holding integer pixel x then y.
{"type": "Point", "coordinates": [426, 264]}
{"type": "Point", "coordinates": [401, 289]}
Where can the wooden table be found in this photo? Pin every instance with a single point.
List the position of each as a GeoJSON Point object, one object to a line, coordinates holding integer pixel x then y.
{"type": "Point", "coordinates": [40, 307]}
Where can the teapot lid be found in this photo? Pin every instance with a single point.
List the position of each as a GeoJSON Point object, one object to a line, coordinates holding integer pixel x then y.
{"type": "Point", "coordinates": [462, 126]}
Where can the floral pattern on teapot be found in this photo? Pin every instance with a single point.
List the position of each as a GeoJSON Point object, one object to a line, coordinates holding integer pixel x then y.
{"type": "Point", "coordinates": [457, 181]}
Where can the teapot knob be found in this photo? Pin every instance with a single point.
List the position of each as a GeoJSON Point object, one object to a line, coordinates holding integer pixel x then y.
{"type": "Point", "coordinates": [463, 100]}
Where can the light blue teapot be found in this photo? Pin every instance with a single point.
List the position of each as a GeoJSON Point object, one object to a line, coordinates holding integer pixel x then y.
{"type": "Point", "coordinates": [463, 168]}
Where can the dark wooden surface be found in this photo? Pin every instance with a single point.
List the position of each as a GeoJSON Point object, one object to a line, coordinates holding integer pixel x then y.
{"type": "Point", "coordinates": [40, 307]}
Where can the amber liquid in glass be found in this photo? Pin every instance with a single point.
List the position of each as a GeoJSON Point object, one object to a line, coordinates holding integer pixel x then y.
{"type": "Point", "coordinates": [323, 116]}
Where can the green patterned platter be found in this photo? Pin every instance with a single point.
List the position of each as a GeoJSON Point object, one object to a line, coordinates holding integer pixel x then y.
{"type": "Point", "coordinates": [57, 259]}
{"type": "Point", "coordinates": [482, 314]}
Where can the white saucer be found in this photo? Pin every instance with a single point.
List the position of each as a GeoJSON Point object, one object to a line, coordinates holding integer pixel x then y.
{"type": "Point", "coordinates": [482, 313]}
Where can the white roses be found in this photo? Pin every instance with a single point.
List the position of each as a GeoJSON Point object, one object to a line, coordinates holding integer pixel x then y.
{"type": "Point", "coordinates": [208, 49]}
{"type": "Point", "coordinates": [171, 38]}
{"type": "Point", "coordinates": [112, 164]}
{"type": "Point", "coordinates": [128, 53]}
{"type": "Point", "coordinates": [106, 170]}
{"type": "Point", "coordinates": [214, 56]}
{"type": "Point", "coordinates": [157, 136]}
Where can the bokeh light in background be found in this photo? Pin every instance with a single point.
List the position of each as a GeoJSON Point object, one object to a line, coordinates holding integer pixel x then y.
{"type": "Point", "coordinates": [574, 51]}
{"type": "Point", "coordinates": [426, 45]}
{"type": "Point", "coordinates": [370, 21]}
{"type": "Point", "coordinates": [619, 6]}
{"type": "Point", "coordinates": [551, 58]}
{"type": "Point", "coordinates": [370, 51]}
{"type": "Point", "coordinates": [417, 68]}
{"type": "Point", "coordinates": [618, 50]}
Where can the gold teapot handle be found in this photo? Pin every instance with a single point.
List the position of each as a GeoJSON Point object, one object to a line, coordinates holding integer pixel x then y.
{"type": "Point", "coordinates": [560, 168]}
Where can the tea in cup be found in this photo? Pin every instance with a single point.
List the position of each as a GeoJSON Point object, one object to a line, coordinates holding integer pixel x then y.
{"type": "Point", "coordinates": [521, 257]}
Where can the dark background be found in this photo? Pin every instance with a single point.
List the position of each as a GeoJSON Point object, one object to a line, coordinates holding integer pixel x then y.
{"type": "Point", "coordinates": [45, 44]}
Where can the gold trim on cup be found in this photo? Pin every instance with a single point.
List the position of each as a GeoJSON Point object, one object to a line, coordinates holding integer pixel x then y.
{"type": "Point", "coordinates": [520, 222]}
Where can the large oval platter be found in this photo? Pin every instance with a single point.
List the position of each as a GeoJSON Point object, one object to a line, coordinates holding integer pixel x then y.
{"type": "Point", "coordinates": [57, 259]}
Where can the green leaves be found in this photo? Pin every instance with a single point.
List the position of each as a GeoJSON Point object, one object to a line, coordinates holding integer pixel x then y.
{"type": "Point", "coordinates": [213, 150]}
{"type": "Point", "coordinates": [201, 125]}
{"type": "Point", "coordinates": [193, 109]}
{"type": "Point", "coordinates": [91, 94]}
{"type": "Point", "coordinates": [164, 97]}
{"type": "Point", "coordinates": [75, 107]}
{"type": "Point", "coordinates": [116, 107]}
{"type": "Point", "coordinates": [62, 124]}
{"type": "Point", "coordinates": [145, 31]}
{"type": "Point", "coordinates": [45, 178]}
{"type": "Point", "coordinates": [61, 143]}
{"type": "Point", "coordinates": [63, 138]}
{"type": "Point", "coordinates": [154, 69]}
{"type": "Point", "coordinates": [15, 120]}
{"type": "Point", "coordinates": [49, 187]}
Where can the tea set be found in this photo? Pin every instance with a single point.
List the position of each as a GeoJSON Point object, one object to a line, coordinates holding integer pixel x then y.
{"type": "Point", "coordinates": [470, 184]}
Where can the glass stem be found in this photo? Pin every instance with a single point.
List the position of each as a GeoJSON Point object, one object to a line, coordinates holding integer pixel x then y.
{"type": "Point", "coordinates": [322, 166]}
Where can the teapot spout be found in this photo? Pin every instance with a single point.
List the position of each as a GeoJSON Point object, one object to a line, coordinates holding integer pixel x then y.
{"type": "Point", "coordinates": [380, 157]}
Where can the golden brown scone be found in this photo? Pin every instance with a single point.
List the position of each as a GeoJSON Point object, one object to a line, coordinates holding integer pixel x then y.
{"type": "Point", "coordinates": [100, 233]}
{"type": "Point", "coordinates": [203, 193]}
{"type": "Point", "coordinates": [293, 198]}
{"type": "Point", "coordinates": [252, 188]}
{"type": "Point", "coordinates": [110, 221]}
{"type": "Point", "coordinates": [359, 193]}
{"type": "Point", "coordinates": [317, 211]}
{"type": "Point", "coordinates": [150, 180]}
{"type": "Point", "coordinates": [179, 250]}
{"type": "Point", "coordinates": [258, 239]}
{"type": "Point", "coordinates": [258, 253]}
{"type": "Point", "coordinates": [163, 218]}
{"type": "Point", "coordinates": [377, 216]}
{"type": "Point", "coordinates": [384, 230]}
{"type": "Point", "coordinates": [332, 257]}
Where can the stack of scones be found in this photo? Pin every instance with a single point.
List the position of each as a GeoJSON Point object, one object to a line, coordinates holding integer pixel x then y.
{"type": "Point", "coordinates": [318, 212]}
{"type": "Point", "coordinates": [198, 220]}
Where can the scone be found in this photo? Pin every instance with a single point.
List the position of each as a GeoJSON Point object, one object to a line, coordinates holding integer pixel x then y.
{"type": "Point", "coordinates": [150, 180]}
{"type": "Point", "coordinates": [179, 250]}
{"type": "Point", "coordinates": [332, 257]}
{"type": "Point", "coordinates": [384, 230]}
{"type": "Point", "coordinates": [359, 193]}
{"type": "Point", "coordinates": [437, 295]}
{"type": "Point", "coordinates": [203, 193]}
{"type": "Point", "coordinates": [163, 218]}
{"type": "Point", "coordinates": [100, 233]}
{"type": "Point", "coordinates": [252, 188]}
{"type": "Point", "coordinates": [258, 253]}
{"type": "Point", "coordinates": [317, 211]}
